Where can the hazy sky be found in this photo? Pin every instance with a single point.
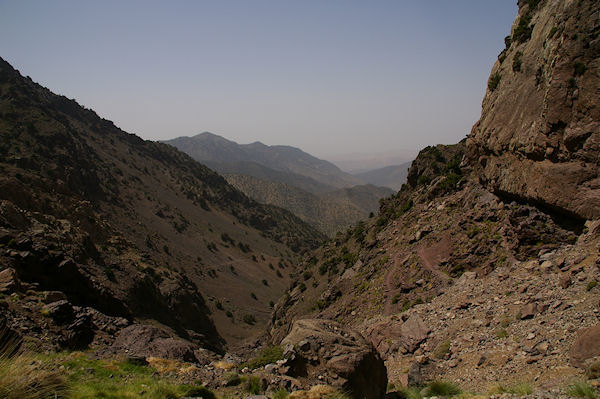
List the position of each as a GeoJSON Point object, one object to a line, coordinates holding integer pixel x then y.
{"type": "Point", "coordinates": [328, 76]}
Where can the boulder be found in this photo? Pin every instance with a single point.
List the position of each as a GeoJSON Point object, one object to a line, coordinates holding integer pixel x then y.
{"type": "Point", "coordinates": [9, 282]}
{"type": "Point", "coordinates": [529, 311]}
{"type": "Point", "coordinates": [413, 332]}
{"type": "Point", "coordinates": [586, 346]}
{"type": "Point", "coordinates": [60, 311]}
{"type": "Point", "coordinates": [148, 341]}
{"type": "Point", "coordinates": [325, 351]}
{"type": "Point", "coordinates": [390, 334]}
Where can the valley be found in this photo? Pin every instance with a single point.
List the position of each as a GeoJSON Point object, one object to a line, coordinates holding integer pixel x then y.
{"type": "Point", "coordinates": [198, 267]}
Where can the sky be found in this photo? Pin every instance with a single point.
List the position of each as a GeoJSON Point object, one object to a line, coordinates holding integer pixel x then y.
{"type": "Point", "coordinates": [337, 78]}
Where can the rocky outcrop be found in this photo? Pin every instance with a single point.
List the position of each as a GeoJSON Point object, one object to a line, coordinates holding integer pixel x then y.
{"type": "Point", "coordinates": [538, 138]}
{"type": "Point", "coordinates": [324, 350]}
{"type": "Point", "coordinates": [392, 335]}
{"type": "Point", "coordinates": [142, 341]}
{"type": "Point", "coordinates": [586, 346]}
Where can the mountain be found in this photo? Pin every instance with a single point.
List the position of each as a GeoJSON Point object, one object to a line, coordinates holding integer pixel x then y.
{"type": "Point", "coordinates": [214, 150]}
{"type": "Point", "coordinates": [329, 212]}
{"type": "Point", "coordinates": [483, 269]}
{"type": "Point", "coordinates": [393, 176]}
{"type": "Point", "coordinates": [120, 230]}
{"type": "Point", "coordinates": [315, 190]}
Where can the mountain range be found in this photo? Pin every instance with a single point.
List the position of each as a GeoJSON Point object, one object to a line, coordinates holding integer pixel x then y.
{"type": "Point", "coordinates": [315, 190]}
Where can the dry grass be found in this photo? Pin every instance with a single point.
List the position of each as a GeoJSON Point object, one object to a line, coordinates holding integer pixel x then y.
{"type": "Point", "coordinates": [24, 377]}
{"type": "Point", "coordinates": [319, 392]}
{"type": "Point", "coordinates": [164, 366]}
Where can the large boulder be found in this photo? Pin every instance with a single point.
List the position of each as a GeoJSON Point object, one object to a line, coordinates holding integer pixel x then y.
{"type": "Point", "coordinates": [141, 341]}
{"type": "Point", "coordinates": [586, 346]}
{"type": "Point", "coordinates": [324, 351]}
{"type": "Point", "coordinates": [391, 334]}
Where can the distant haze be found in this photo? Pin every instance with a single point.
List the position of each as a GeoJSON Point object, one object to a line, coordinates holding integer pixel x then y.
{"type": "Point", "coordinates": [330, 77]}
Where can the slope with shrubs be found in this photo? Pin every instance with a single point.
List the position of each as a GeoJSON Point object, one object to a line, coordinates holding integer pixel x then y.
{"type": "Point", "coordinates": [132, 228]}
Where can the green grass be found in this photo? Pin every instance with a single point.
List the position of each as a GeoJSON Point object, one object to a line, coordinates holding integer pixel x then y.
{"type": "Point", "coordinates": [501, 333]}
{"type": "Point", "coordinates": [266, 356]}
{"type": "Point", "coordinates": [442, 388]}
{"type": "Point", "coordinates": [581, 389]}
{"type": "Point", "coordinates": [410, 392]}
{"type": "Point", "coordinates": [253, 385]}
{"type": "Point", "coordinates": [280, 394]}
{"type": "Point", "coordinates": [87, 377]}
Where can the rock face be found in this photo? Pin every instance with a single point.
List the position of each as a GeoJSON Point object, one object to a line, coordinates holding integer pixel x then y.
{"type": "Point", "coordinates": [337, 355]}
{"type": "Point", "coordinates": [143, 341]}
{"type": "Point", "coordinates": [391, 335]}
{"type": "Point", "coordinates": [586, 346]}
{"type": "Point", "coordinates": [538, 138]}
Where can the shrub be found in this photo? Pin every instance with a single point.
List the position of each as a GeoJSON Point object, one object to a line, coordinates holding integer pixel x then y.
{"type": "Point", "coordinates": [265, 283]}
{"type": "Point", "coordinates": [523, 31]}
{"type": "Point", "coordinates": [516, 66]}
{"type": "Point", "coordinates": [249, 319]}
{"type": "Point", "coordinates": [494, 81]}
{"type": "Point", "coordinates": [280, 394]}
{"type": "Point", "coordinates": [410, 393]}
{"type": "Point", "coordinates": [579, 69]}
{"type": "Point", "coordinates": [266, 356]}
{"type": "Point", "coordinates": [442, 388]}
{"type": "Point", "coordinates": [253, 385]}
{"type": "Point", "coordinates": [581, 389]}
{"type": "Point", "coordinates": [232, 379]}
{"type": "Point", "coordinates": [442, 349]}
{"type": "Point", "coordinates": [501, 333]}
{"type": "Point", "coordinates": [591, 285]}
{"type": "Point", "coordinates": [253, 296]}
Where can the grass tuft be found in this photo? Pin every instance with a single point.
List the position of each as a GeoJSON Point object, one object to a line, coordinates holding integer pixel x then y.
{"type": "Point", "coordinates": [581, 389]}
{"type": "Point", "coordinates": [442, 388]}
{"type": "Point", "coordinates": [22, 376]}
{"type": "Point", "coordinates": [520, 389]}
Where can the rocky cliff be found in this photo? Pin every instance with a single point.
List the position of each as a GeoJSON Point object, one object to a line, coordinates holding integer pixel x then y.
{"type": "Point", "coordinates": [538, 138]}
{"type": "Point", "coordinates": [483, 269]}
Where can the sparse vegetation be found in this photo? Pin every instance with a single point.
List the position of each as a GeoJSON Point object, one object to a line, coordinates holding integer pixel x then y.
{"type": "Point", "coordinates": [266, 356]}
{"type": "Point", "coordinates": [442, 349]}
{"type": "Point", "coordinates": [494, 81]}
{"type": "Point", "coordinates": [580, 389]}
{"type": "Point", "coordinates": [523, 30]}
{"type": "Point", "coordinates": [501, 333]}
{"type": "Point", "coordinates": [579, 69]}
{"type": "Point", "coordinates": [22, 377]}
{"type": "Point", "coordinates": [590, 286]}
{"type": "Point", "coordinates": [253, 385]}
{"type": "Point", "coordinates": [517, 61]}
{"type": "Point", "coordinates": [442, 388]}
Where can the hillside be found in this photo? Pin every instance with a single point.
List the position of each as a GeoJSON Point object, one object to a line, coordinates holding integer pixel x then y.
{"type": "Point", "coordinates": [483, 270]}
{"type": "Point", "coordinates": [214, 150]}
{"type": "Point", "coordinates": [121, 230]}
{"type": "Point", "coordinates": [314, 190]}
{"type": "Point", "coordinates": [329, 212]}
{"type": "Point", "coordinates": [393, 176]}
